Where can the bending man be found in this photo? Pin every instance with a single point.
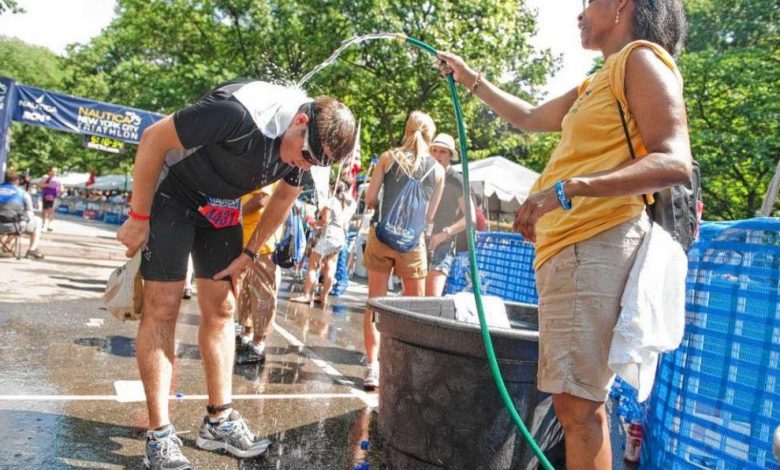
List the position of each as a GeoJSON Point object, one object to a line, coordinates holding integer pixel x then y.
{"type": "Point", "coordinates": [238, 138]}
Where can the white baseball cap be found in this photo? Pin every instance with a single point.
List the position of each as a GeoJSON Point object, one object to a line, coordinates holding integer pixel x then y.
{"type": "Point", "coordinates": [448, 142]}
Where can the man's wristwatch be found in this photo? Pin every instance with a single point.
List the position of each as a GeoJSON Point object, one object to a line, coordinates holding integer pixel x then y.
{"type": "Point", "coordinates": [250, 253]}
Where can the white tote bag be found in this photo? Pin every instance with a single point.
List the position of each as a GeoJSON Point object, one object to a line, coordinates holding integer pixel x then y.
{"type": "Point", "coordinates": [124, 290]}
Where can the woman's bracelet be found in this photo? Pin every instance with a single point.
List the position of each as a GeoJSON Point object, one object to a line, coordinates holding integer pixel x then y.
{"type": "Point", "coordinates": [476, 84]}
{"type": "Point", "coordinates": [565, 203]}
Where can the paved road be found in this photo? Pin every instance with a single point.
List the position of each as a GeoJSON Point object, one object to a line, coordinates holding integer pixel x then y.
{"type": "Point", "coordinates": [63, 355]}
{"type": "Point", "coordinates": [68, 371]}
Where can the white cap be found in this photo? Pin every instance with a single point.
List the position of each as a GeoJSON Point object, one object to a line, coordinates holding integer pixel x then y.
{"type": "Point", "coordinates": [446, 141]}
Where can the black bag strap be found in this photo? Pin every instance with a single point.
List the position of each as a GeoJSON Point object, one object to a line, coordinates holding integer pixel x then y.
{"type": "Point", "coordinates": [628, 140]}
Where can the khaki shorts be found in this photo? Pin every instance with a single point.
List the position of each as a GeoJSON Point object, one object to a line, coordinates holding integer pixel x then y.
{"type": "Point", "coordinates": [257, 298]}
{"type": "Point", "coordinates": [580, 289]}
{"type": "Point", "coordinates": [380, 257]}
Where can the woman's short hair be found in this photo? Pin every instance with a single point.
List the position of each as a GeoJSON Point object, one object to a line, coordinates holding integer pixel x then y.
{"type": "Point", "coordinates": [662, 22]}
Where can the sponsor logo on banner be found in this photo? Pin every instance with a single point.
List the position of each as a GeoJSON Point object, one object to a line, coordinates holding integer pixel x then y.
{"type": "Point", "coordinates": [122, 125]}
{"type": "Point", "coordinates": [3, 92]}
{"type": "Point", "coordinates": [37, 110]}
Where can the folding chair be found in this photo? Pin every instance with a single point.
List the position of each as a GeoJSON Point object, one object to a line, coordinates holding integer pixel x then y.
{"type": "Point", "coordinates": [11, 240]}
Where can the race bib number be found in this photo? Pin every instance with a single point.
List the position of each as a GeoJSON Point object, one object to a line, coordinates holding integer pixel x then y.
{"type": "Point", "coordinates": [222, 213]}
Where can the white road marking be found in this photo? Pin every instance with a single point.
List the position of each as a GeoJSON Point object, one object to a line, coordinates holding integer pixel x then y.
{"type": "Point", "coordinates": [128, 391]}
{"type": "Point", "coordinates": [94, 322]}
{"type": "Point", "coordinates": [371, 400]}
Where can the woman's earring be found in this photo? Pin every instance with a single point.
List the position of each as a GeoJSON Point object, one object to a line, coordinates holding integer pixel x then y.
{"type": "Point", "coordinates": [617, 17]}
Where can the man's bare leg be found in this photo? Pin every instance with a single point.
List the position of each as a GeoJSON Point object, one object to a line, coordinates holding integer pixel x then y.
{"type": "Point", "coordinates": [155, 345]}
{"type": "Point", "coordinates": [216, 340]}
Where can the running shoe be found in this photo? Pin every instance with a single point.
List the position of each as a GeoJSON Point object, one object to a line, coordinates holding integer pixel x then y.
{"type": "Point", "coordinates": [301, 299]}
{"type": "Point", "coordinates": [371, 382]}
{"type": "Point", "coordinates": [231, 434]}
{"type": "Point", "coordinates": [162, 450]}
{"type": "Point", "coordinates": [36, 254]}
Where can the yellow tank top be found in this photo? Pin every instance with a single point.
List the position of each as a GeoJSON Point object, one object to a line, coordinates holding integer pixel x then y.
{"type": "Point", "coordinates": [592, 140]}
{"type": "Point", "coordinates": [250, 221]}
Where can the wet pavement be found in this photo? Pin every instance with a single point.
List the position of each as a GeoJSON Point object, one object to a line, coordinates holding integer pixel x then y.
{"type": "Point", "coordinates": [65, 361]}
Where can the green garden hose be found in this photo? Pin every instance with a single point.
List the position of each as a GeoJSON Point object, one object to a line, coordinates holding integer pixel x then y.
{"type": "Point", "coordinates": [473, 265]}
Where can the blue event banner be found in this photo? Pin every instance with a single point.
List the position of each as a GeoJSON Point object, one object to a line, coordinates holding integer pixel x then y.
{"type": "Point", "coordinates": [7, 100]}
{"type": "Point", "coordinates": [70, 114]}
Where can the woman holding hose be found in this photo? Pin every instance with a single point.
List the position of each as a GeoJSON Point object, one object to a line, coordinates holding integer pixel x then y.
{"type": "Point", "coordinates": [586, 215]}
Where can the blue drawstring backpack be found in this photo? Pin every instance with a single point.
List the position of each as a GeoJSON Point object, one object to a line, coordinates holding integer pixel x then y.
{"type": "Point", "coordinates": [402, 226]}
{"type": "Point", "coordinates": [291, 248]}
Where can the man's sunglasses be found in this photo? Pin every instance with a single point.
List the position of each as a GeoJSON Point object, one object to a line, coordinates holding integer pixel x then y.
{"type": "Point", "coordinates": [307, 152]}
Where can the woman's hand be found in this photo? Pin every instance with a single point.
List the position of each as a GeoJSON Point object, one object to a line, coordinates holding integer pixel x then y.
{"type": "Point", "coordinates": [452, 64]}
{"type": "Point", "coordinates": [532, 209]}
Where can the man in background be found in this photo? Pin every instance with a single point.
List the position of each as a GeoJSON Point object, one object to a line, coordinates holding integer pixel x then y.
{"type": "Point", "coordinates": [16, 213]}
{"type": "Point", "coordinates": [257, 298]}
{"type": "Point", "coordinates": [449, 220]}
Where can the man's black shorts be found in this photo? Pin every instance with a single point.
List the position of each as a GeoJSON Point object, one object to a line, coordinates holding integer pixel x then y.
{"type": "Point", "coordinates": [48, 204]}
{"type": "Point", "coordinates": [175, 231]}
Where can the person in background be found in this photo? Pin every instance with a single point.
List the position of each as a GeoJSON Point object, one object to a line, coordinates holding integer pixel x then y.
{"type": "Point", "coordinates": [450, 219]}
{"type": "Point", "coordinates": [35, 196]}
{"type": "Point", "coordinates": [585, 213]}
{"type": "Point", "coordinates": [333, 222]}
{"type": "Point", "coordinates": [257, 298]}
{"type": "Point", "coordinates": [395, 168]}
{"type": "Point", "coordinates": [16, 213]}
{"type": "Point", "coordinates": [50, 190]}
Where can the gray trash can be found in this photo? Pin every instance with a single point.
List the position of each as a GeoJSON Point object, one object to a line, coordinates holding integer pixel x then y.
{"type": "Point", "coordinates": [438, 404]}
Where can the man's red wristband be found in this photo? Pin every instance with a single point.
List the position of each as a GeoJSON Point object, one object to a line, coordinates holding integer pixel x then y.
{"type": "Point", "coordinates": [135, 215]}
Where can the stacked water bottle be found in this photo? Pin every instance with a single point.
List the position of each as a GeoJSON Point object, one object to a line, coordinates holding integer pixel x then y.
{"type": "Point", "coordinates": [631, 414]}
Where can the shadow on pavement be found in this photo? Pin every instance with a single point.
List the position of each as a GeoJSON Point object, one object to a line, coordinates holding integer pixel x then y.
{"type": "Point", "coordinates": [81, 288]}
{"type": "Point", "coordinates": [124, 346]}
{"type": "Point", "coordinates": [47, 440]}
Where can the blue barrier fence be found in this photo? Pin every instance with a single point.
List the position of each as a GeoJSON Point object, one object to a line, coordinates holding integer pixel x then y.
{"type": "Point", "coordinates": [108, 212]}
{"type": "Point", "coordinates": [716, 400]}
{"type": "Point", "coordinates": [505, 263]}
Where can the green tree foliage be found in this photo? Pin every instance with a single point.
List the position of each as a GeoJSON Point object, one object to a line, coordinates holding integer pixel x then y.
{"type": "Point", "coordinates": [10, 5]}
{"type": "Point", "coordinates": [160, 55]}
{"type": "Point", "coordinates": [731, 68]}
{"type": "Point", "coordinates": [35, 148]}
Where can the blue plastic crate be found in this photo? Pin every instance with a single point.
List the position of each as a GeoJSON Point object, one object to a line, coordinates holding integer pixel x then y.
{"type": "Point", "coordinates": [717, 398]}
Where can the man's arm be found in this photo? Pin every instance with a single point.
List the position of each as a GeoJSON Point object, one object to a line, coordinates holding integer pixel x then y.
{"type": "Point", "coordinates": [156, 141]}
{"type": "Point", "coordinates": [275, 213]}
{"type": "Point", "coordinates": [279, 205]}
{"type": "Point", "coordinates": [255, 203]}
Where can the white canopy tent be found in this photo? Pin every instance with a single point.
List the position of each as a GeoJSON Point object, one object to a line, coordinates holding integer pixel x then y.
{"type": "Point", "coordinates": [110, 183]}
{"type": "Point", "coordinates": [502, 184]}
{"type": "Point", "coordinates": [71, 179]}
